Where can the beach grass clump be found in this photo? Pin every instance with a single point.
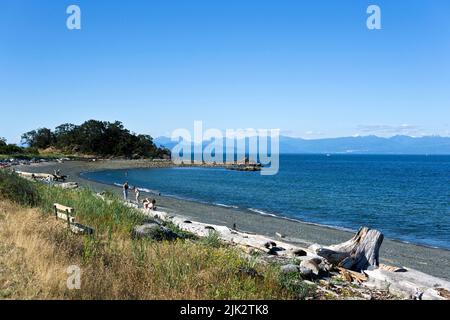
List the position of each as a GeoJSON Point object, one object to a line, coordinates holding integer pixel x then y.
{"type": "Point", "coordinates": [103, 216]}
{"type": "Point", "coordinates": [17, 189]}
{"type": "Point", "coordinates": [296, 286]}
{"type": "Point", "coordinates": [212, 239]}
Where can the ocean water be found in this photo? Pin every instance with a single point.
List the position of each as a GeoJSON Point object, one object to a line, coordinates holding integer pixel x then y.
{"type": "Point", "coordinates": [406, 197]}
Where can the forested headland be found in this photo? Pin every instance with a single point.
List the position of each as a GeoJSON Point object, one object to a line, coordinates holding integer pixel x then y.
{"type": "Point", "coordinates": [93, 137]}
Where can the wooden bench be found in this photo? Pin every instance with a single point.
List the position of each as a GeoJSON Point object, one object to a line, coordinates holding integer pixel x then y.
{"type": "Point", "coordinates": [67, 214]}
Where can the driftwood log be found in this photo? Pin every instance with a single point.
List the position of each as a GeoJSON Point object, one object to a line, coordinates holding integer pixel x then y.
{"type": "Point", "coordinates": [358, 253]}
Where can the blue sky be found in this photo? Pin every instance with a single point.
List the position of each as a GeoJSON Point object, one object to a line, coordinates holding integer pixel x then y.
{"type": "Point", "coordinates": [310, 68]}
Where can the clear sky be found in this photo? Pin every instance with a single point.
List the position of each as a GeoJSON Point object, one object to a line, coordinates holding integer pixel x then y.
{"type": "Point", "coordinates": [310, 68]}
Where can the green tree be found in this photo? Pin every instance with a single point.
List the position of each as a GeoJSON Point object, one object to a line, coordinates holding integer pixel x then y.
{"type": "Point", "coordinates": [64, 136]}
{"type": "Point", "coordinates": [41, 138]}
{"type": "Point", "coordinates": [90, 136]}
{"type": "Point", "coordinates": [9, 148]}
{"type": "Point", "coordinates": [96, 137]}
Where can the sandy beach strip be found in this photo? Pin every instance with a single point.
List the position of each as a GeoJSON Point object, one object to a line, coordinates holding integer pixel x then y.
{"type": "Point", "coordinates": [432, 261]}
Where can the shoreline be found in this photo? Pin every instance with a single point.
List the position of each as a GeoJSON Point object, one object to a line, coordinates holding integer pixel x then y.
{"type": "Point", "coordinates": [243, 210]}
{"type": "Point", "coordinates": [394, 252]}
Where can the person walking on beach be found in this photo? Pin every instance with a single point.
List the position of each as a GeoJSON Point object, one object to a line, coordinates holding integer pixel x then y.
{"type": "Point", "coordinates": [146, 203]}
{"type": "Point", "coordinates": [125, 191]}
{"type": "Point", "coordinates": [149, 205]}
{"type": "Point", "coordinates": [152, 205]}
{"type": "Point", "coordinates": [137, 193]}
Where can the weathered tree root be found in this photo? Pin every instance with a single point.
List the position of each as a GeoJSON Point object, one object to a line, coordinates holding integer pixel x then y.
{"type": "Point", "coordinates": [358, 253]}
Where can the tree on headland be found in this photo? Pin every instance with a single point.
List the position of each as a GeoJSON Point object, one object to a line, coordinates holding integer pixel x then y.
{"type": "Point", "coordinates": [6, 148]}
{"type": "Point", "coordinates": [65, 134]}
{"type": "Point", "coordinates": [97, 138]}
{"type": "Point", "coordinates": [41, 138]}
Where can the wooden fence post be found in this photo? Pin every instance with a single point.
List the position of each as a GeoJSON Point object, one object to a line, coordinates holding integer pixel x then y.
{"type": "Point", "coordinates": [68, 218]}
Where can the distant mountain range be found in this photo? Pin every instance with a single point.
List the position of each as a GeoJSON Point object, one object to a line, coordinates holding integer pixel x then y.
{"type": "Point", "coordinates": [355, 145]}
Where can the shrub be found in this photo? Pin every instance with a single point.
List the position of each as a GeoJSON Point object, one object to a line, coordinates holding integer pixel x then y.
{"type": "Point", "coordinates": [17, 189]}
{"type": "Point", "coordinates": [10, 149]}
{"type": "Point", "coordinates": [293, 283]}
{"type": "Point", "coordinates": [212, 240]}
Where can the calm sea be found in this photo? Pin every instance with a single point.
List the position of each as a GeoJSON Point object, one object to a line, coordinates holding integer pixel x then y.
{"type": "Point", "coordinates": [406, 197]}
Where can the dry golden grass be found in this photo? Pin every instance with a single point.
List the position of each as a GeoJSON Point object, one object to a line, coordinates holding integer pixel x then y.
{"type": "Point", "coordinates": [36, 250]}
{"type": "Point", "coordinates": [27, 262]}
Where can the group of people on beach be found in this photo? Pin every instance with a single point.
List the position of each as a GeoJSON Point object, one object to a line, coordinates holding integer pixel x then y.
{"type": "Point", "coordinates": [147, 203]}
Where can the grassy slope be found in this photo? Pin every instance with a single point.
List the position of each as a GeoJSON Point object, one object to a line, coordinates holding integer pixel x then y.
{"type": "Point", "coordinates": [36, 250]}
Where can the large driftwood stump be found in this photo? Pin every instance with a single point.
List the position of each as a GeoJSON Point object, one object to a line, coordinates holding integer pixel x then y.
{"type": "Point", "coordinates": [359, 253]}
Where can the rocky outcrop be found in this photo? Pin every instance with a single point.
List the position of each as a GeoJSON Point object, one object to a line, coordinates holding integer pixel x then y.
{"type": "Point", "coordinates": [67, 185]}
{"type": "Point", "coordinates": [309, 267]}
{"type": "Point", "coordinates": [245, 167]}
{"type": "Point", "coordinates": [154, 231]}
